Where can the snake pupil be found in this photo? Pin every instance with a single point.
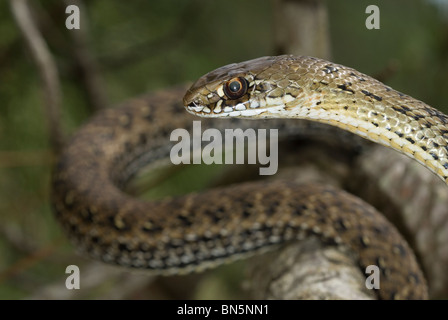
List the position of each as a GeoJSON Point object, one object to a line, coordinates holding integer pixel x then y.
{"type": "Point", "coordinates": [235, 88]}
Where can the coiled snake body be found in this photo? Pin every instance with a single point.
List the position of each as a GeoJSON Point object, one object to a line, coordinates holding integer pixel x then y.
{"type": "Point", "coordinates": [202, 230]}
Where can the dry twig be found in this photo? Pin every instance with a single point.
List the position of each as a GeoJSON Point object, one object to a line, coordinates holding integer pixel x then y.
{"type": "Point", "coordinates": [46, 67]}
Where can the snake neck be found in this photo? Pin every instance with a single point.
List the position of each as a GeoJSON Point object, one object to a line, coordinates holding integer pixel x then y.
{"type": "Point", "coordinates": [420, 134]}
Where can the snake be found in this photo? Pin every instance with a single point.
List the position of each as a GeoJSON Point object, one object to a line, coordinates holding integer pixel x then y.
{"type": "Point", "coordinates": [201, 230]}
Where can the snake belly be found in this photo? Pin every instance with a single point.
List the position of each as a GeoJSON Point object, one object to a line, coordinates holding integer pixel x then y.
{"type": "Point", "coordinates": [203, 230]}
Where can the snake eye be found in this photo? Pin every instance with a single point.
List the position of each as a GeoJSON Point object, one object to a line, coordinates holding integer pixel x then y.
{"type": "Point", "coordinates": [235, 88]}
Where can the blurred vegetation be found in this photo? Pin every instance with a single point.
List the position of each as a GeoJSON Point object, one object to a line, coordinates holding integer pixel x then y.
{"type": "Point", "coordinates": [141, 46]}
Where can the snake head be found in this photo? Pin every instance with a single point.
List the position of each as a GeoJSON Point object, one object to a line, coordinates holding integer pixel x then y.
{"type": "Point", "coordinates": [256, 88]}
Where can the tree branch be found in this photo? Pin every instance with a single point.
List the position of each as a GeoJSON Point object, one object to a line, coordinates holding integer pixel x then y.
{"type": "Point", "coordinates": [46, 67]}
{"type": "Point", "coordinates": [301, 28]}
{"type": "Point", "coordinates": [85, 63]}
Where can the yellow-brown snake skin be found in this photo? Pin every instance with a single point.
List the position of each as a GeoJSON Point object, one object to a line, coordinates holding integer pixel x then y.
{"type": "Point", "coordinates": [205, 229]}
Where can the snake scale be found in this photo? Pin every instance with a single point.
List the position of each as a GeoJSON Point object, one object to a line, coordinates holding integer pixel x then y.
{"type": "Point", "coordinates": [202, 230]}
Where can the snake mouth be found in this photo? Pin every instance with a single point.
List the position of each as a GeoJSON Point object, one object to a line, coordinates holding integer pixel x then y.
{"type": "Point", "coordinates": [235, 111]}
